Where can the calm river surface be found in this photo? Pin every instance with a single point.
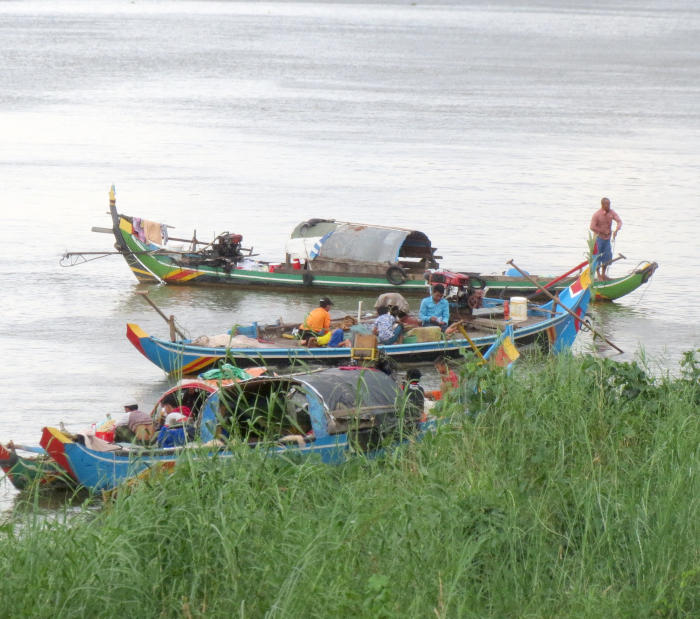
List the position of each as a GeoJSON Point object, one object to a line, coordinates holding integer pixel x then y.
{"type": "Point", "coordinates": [494, 127]}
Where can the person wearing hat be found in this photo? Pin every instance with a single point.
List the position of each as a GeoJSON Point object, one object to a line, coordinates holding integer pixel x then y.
{"type": "Point", "coordinates": [136, 425]}
{"type": "Point", "coordinates": [317, 321]}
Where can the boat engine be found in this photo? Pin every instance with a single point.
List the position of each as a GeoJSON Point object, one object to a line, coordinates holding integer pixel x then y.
{"type": "Point", "coordinates": [227, 246]}
{"type": "Point", "coordinates": [465, 290]}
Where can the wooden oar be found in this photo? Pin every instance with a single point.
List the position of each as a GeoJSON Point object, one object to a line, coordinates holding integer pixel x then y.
{"type": "Point", "coordinates": [170, 320]}
{"type": "Point", "coordinates": [553, 298]}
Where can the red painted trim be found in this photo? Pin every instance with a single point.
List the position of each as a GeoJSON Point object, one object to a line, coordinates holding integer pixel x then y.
{"type": "Point", "coordinates": [135, 340]}
{"type": "Point", "coordinates": [54, 447]}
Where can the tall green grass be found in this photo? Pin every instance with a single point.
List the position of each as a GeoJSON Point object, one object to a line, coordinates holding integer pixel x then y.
{"type": "Point", "coordinates": [570, 490]}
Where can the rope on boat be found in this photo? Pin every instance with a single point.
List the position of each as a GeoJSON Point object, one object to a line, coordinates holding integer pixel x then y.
{"type": "Point", "coordinates": [73, 258]}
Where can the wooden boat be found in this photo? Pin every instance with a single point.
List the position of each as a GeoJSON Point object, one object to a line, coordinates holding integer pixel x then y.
{"type": "Point", "coordinates": [46, 472]}
{"type": "Point", "coordinates": [328, 414]}
{"type": "Point", "coordinates": [323, 254]}
{"type": "Point", "coordinates": [38, 470]}
{"type": "Point", "coordinates": [553, 324]}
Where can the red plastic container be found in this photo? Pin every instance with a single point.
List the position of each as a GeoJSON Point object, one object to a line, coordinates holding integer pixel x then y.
{"type": "Point", "coordinates": [105, 436]}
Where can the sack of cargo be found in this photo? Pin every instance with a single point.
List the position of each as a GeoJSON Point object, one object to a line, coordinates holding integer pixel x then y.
{"type": "Point", "coordinates": [424, 334]}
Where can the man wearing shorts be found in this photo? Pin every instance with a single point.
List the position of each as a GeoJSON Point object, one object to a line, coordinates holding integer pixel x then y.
{"type": "Point", "coordinates": [601, 225]}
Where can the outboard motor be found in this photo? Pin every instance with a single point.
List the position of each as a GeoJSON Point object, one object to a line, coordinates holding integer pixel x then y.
{"type": "Point", "coordinates": [227, 246]}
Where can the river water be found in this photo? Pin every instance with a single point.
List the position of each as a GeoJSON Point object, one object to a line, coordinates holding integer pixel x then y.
{"type": "Point", "coordinates": [494, 127]}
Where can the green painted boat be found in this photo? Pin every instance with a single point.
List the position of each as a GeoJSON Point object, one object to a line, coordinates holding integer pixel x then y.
{"type": "Point", "coordinates": [603, 290]}
{"type": "Point", "coordinates": [321, 254]}
{"type": "Point", "coordinates": [612, 289]}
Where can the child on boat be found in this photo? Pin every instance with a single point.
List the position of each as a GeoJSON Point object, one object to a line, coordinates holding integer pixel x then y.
{"type": "Point", "coordinates": [387, 329]}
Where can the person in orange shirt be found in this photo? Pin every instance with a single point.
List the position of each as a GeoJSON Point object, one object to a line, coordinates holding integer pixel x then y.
{"type": "Point", "coordinates": [317, 322]}
{"type": "Point", "coordinates": [448, 379]}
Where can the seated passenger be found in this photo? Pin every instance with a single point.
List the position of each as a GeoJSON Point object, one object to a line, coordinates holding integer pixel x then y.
{"type": "Point", "coordinates": [337, 339]}
{"type": "Point", "coordinates": [122, 433]}
{"type": "Point", "coordinates": [386, 327]}
{"type": "Point", "coordinates": [136, 427]}
{"type": "Point", "coordinates": [317, 322]}
{"type": "Point", "coordinates": [170, 405]}
{"type": "Point", "coordinates": [141, 426]}
{"type": "Point", "coordinates": [435, 310]}
{"type": "Point", "coordinates": [175, 431]}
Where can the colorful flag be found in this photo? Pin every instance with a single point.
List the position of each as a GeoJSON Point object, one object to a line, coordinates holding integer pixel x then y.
{"type": "Point", "coordinates": [503, 352]}
{"type": "Point", "coordinates": [582, 283]}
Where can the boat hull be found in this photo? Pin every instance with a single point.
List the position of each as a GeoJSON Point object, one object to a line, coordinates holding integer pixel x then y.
{"type": "Point", "coordinates": [103, 471]}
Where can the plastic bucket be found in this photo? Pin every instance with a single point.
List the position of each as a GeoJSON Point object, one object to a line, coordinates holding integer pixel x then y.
{"type": "Point", "coordinates": [518, 309]}
{"type": "Point", "coordinates": [105, 436]}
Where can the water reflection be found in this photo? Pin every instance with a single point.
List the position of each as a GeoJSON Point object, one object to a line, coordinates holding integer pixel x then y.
{"type": "Point", "coordinates": [46, 506]}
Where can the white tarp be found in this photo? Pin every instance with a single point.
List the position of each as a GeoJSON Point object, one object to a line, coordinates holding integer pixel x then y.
{"type": "Point", "coordinates": [302, 248]}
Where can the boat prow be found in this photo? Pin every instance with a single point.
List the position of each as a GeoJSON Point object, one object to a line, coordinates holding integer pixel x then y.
{"type": "Point", "coordinates": [611, 289]}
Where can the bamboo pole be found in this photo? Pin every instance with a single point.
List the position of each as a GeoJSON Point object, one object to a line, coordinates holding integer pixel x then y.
{"type": "Point", "coordinates": [553, 298]}
{"type": "Point", "coordinates": [169, 319]}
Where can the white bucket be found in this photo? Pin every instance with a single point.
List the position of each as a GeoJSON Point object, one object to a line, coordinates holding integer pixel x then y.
{"type": "Point", "coordinates": [518, 309]}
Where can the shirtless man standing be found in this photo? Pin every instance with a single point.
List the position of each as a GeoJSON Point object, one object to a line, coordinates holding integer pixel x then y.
{"type": "Point", "coordinates": [601, 225]}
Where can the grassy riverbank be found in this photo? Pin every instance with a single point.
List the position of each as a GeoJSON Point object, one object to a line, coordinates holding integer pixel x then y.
{"type": "Point", "coordinates": [574, 493]}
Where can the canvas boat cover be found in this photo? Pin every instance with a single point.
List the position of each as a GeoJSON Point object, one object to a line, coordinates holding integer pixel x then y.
{"type": "Point", "coordinates": [343, 389]}
{"type": "Point", "coordinates": [363, 242]}
{"type": "Point", "coordinates": [327, 391]}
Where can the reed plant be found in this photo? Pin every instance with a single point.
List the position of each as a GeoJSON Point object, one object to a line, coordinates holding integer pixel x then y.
{"type": "Point", "coordinates": [569, 489]}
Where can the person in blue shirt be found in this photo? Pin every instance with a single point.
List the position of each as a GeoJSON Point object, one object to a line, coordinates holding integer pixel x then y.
{"type": "Point", "coordinates": [435, 310]}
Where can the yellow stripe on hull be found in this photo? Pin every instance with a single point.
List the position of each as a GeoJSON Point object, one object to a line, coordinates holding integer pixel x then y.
{"type": "Point", "coordinates": [197, 365]}
{"type": "Point", "coordinates": [181, 275]}
{"type": "Point", "coordinates": [148, 274]}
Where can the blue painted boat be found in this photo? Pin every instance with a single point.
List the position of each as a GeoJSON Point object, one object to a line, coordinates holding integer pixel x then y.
{"type": "Point", "coordinates": [554, 324]}
{"type": "Point", "coordinates": [330, 414]}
